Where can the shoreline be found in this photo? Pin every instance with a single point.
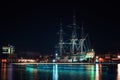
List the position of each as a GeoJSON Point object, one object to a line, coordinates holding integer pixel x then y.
{"type": "Point", "coordinates": [65, 63]}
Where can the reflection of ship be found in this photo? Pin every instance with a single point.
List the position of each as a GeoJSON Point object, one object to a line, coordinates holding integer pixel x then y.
{"type": "Point", "coordinates": [75, 49]}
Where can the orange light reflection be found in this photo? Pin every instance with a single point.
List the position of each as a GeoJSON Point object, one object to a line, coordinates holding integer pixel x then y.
{"type": "Point", "coordinates": [3, 72]}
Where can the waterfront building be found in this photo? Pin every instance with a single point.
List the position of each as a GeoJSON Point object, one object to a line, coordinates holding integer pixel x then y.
{"type": "Point", "coordinates": [8, 54]}
{"type": "Point", "coordinates": [8, 49]}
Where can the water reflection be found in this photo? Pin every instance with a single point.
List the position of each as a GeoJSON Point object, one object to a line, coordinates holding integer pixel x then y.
{"type": "Point", "coordinates": [73, 72]}
{"type": "Point", "coordinates": [92, 72]}
{"type": "Point", "coordinates": [60, 72]}
{"type": "Point", "coordinates": [55, 72]}
{"type": "Point", "coordinates": [98, 72]}
{"type": "Point", "coordinates": [3, 71]}
{"type": "Point", "coordinates": [31, 73]}
{"type": "Point", "coordinates": [6, 71]}
{"type": "Point", "coordinates": [10, 72]}
{"type": "Point", "coordinates": [118, 72]}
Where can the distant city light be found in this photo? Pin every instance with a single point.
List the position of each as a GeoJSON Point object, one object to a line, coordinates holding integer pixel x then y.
{"type": "Point", "coordinates": [97, 56]}
{"type": "Point", "coordinates": [119, 56]}
{"type": "Point", "coordinates": [26, 60]}
{"type": "Point", "coordinates": [53, 60]}
{"type": "Point", "coordinates": [56, 54]}
{"type": "Point", "coordinates": [4, 60]}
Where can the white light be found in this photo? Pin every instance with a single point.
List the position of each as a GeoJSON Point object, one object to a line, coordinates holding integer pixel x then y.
{"type": "Point", "coordinates": [53, 60]}
{"type": "Point", "coordinates": [119, 56]}
{"type": "Point", "coordinates": [81, 59]}
{"type": "Point", "coordinates": [97, 56]}
{"type": "Point", "coordinates": [118, 72]}
{"type": "Point", "coordinates": [56, 54]}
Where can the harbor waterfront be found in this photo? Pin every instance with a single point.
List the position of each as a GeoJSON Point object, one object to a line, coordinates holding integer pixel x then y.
{"type": "Point", "coordinates": [59, 40]}
{"type": "Point", "coordinates": [60, 71]}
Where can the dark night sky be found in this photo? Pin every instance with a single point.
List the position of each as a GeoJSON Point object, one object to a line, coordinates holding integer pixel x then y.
{"type": "Point", "coordinates": [33, 26]}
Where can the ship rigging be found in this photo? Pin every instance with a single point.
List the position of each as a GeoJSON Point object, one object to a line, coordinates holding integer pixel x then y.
{"type": "Point", "coordinates": [76, 48]}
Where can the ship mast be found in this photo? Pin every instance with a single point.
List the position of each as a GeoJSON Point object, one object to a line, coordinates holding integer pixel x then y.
{"type": "Point", "coordinates": [74, 35]}
{"type": "Point", "coordinates": [61, 39]}
{"type": "Point", "coordinates": [82, 40]}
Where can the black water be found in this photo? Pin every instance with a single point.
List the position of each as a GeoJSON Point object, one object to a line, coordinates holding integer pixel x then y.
{"type": "Point", "coordinates": [60, 72]}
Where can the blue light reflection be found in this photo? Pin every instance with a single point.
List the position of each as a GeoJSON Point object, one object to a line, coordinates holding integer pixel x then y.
{"type": "Point", "coordinates": [55, 72]}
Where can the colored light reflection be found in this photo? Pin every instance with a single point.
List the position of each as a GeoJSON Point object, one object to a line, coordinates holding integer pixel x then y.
{"type": "Point", "coordinates": [32, 73]}
{"type": "Point", "coordinates": [118, 72]}
{"type": "Point", "coordinates": [4, 71]}
{"type": "Point", "coordinates": [55, 72]}
{"type": "Point", "coordinates": [92, 73]}
{"type": "Point", "coordinates": [10, 72]}
{"type": "Point", "coordinates": [90, 70]}
{"type": "Point", "coordinates": [31, 70]}
{"type": "Point", "coordinates": [98, 72]}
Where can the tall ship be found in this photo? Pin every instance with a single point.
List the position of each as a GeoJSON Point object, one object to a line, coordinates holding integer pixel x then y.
{"type": "Point", "coordinates": [75, 49]}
